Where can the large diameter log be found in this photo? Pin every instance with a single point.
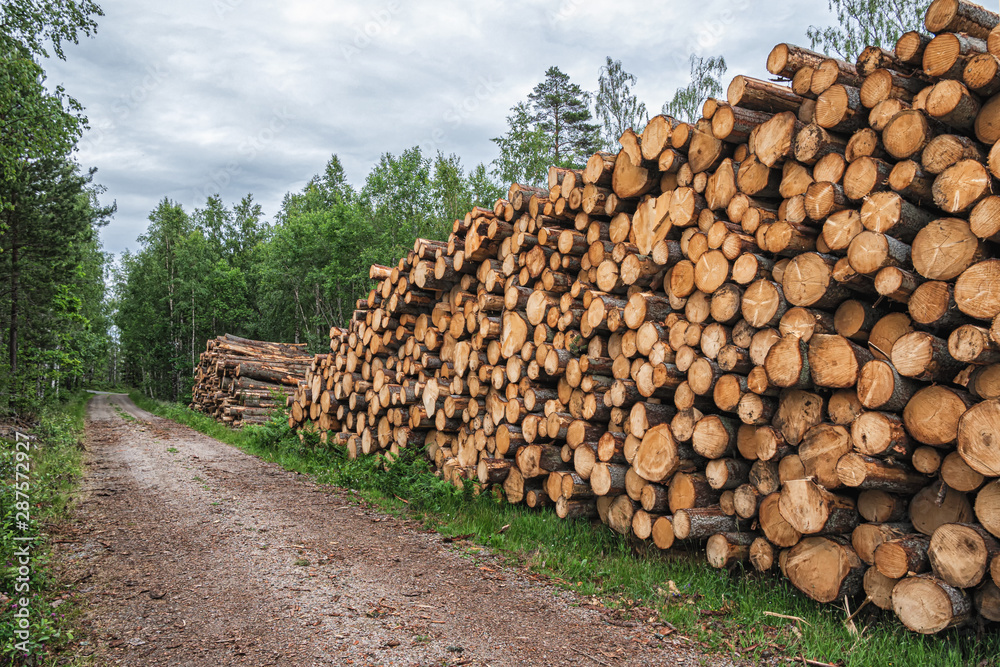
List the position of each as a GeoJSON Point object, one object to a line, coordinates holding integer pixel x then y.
{"type": "Point", "coordinates": [630, 180]}
{"type": "Point", "coordinates": [988, 512]}
{"type": "Point", "coordinates": [785, 60]}
{"type": "Point", "coordinates": [798, 411]}
{"type": "Point", "coordinates": [881, 434]}
{"type": "Point", "coordinates": [977, 290]}
{"type": "Point", "coordinates": [493, 471]}
{"type": "Point", "coordinates": [951, 103]}
{"type": "Point", "coordinates": [881, 387]}
{"type": "Point", "coordinates": [537, 460]}
{"type": "Point", "coordinates": [726, 473]}
{"type": "Point", "coordinates": [936, 505]}
{"type": "Point", "coordinates": [961, 186]}
{"type": "Point", "coordinates": [811, 509]}
{"type": "Point", "coordinates": [987, 601]}
{"type": "Point", "coordinates": [923, 356]}
{"type": "Point", "coordinates": [689, 490]}
{"type": "Point", "coordinates": [760, 95]}
{"type": "Point", "coordinates": [763, 555]}
{"type": "Point", "coordinates": [777, 530]}
{"type": "Point", "coordinates": [907, 134]}
{"type": "Point", "coordinates": [714, 436]}
{"type": "Point", "coordinates": [945, 248]}
{"type": "Point", "coordinates": [878, 588]}
{"type": "Point", "coordinates": [808, 281]}
{"type": "Point", "coordinates": [824, 569]}
{"type": "Point", "coordinates": [928, 605]}
{"type": "Point", "coordinates": [881, 507]}
{"type": "Point", "coordinates": [575, 508]}
{"type": "Point", "coordinates": [979, 437]}
{"type": "Point", "coordinates": [835, 362]}
{"type": "Point", "coordinates": [656, 459]}
{"type": "Point", "coordinates": [932, 415]}
{"type": "Point", "coordinates": [620, 513]}
{"type": "Point", "coordinates": [774, 140]}
{"type": "Point", "coordinates": [971, 344]}
{"type": "Point", "coordinates": [959, 16]}
{"type": "Point", "coordinates": [961, 553]}
{"type": "Point", "coordinates": [958, 474]}
{"type": "Point", "coordinates": [608, 479]}
{"type": "Point", "coordinates": [787, 363]}
{"type": "Point", "coordinates": [822, 447]}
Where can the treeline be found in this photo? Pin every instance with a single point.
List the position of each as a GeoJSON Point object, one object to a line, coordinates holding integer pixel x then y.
{"type": "Point", "coordinates": [54, 317]}
{"type": "Point", "coordinates": [227, 270]}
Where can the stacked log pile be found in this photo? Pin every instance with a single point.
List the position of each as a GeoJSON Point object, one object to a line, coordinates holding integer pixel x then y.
{"type": "Point", "coordinates": [773, 331]}
{"type": "Point", "coordinates": [241, 381]}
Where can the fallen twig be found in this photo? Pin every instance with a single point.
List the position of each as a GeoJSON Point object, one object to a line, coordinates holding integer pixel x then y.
{"type": "Point", "coordinates": [810, 663]}
{"type": "Point", "coordinates": [787, 617]}
{"type": "Point", "coordinates": [858, 610]}
{"type": "Point", "coordinates": [588, 656]}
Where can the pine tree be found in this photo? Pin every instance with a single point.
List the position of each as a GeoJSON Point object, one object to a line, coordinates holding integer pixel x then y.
{"type": "Point", "coordinates": [562, 110]}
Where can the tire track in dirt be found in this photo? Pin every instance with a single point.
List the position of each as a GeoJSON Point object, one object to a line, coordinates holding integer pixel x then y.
{"type": "Point", "coordinates": [187, 551]}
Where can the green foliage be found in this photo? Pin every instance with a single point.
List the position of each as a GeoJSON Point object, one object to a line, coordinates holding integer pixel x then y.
{"type": "Point", "coordinates": [33, 24]}
{"type": "Point", "coordinates": [561, 109]}
{"type": "Point", "coordinates": [706, 75]}
{"type": "Point", "coordinates": [223, 270]}
{"type": "Point", "coordinates": [36, 122]}
{"type": "Point", "coordinates": [618, 109]}
{"type": "Point", "coordinates": [524, 156]}
{"type": "Point", "coordinates": [195, 276]}
{"type": "Point", "coordinates": [51, 283]}
{"type": "Point", "coordinates": [51, 266]}
{"type": "Point", "coordinates": [55, 464]}
{"type": "Point", "coordinates": [862, 23]}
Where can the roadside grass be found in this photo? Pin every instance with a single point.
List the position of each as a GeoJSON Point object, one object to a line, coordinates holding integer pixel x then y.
{"type": "Point", "coordinates": [725, 612]}
{"type": "Point", "coordinates": [55, 464]}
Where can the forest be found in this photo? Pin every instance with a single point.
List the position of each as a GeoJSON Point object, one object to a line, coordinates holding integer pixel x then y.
{"type": "Point", "coordinates": [73, 315]}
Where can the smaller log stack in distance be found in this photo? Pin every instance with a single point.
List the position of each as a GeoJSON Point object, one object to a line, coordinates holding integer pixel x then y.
{"type": "Point", "coordinates": [240, 381]}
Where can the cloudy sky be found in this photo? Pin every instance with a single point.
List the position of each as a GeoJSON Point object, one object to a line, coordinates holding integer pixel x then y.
{"type": "Point", "coordinates": [195, 97]}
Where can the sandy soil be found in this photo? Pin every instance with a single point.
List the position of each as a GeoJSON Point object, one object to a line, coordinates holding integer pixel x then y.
{"type": "Point", "coordinates": [187, 551]}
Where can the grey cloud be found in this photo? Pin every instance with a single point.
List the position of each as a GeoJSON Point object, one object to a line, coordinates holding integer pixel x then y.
{"type": "Point", "coordinates": [183, 98]}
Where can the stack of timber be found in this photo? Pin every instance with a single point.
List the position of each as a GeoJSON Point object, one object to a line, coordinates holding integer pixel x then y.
{"type": "Point", "coordinates": [774, 331]}
{"type": "Point", "coordinates": [241, 381]}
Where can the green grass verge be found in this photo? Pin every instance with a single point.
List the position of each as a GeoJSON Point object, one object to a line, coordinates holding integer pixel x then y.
{"type": "Point", "coordinates": [54, 463]}
{"type": "Point", "coordinates": [726, 612]}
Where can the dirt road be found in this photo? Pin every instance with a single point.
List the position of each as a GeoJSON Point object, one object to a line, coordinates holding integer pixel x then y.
{"type": "Point", "coordinates": [189, 552]}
